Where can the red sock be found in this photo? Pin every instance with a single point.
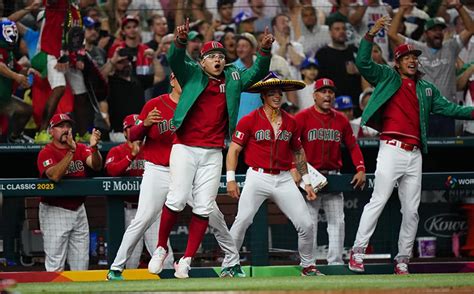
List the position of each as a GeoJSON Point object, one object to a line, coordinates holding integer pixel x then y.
{"type": "Point", "coordinates": [168, 219]}
{"type": "Point", "coordinates": [197, 229]}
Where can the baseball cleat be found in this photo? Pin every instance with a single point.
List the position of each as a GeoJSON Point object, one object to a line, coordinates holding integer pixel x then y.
{"type": "Point", "coordinates": [356, 262]}
{"type": "Point", "coordinates": [155, 266]}
{"type": "Point", "coordinates": [114, 276]}
{"type": "Point", "coordinates": [310, 271]}
{"type": "Point", "coordinates": [401, 268]}
{"type": "Point", "coordinates": [182, 268]}
{"type": "Point", "coordinates": [237, 271]}
{"type": "Point", "coordinates": [226, 272]}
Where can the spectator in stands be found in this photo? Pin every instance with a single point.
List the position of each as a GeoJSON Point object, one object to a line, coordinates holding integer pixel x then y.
{"type": "Point", "coordinates": [140, 54]}
{"type": "Point", "coordinates": [225, 17]}
{"type": "Point", "coordinates": [192, 9]}
{"type": "Point", "coordinates": [292, 51]}
{"type": "Point", "coordinates": [193, 47]}
{"type": "Point", "coordinates": [245, 22]}
{"type": "Point", "coordinates": [11, 72]}
{"type": "Point", "coordinates": [465, 82]}
{"type": "Point", "coordinates": [126, 94]}
{"type": "Point", "coordinates": [413, 19]}
{"type": "Point", "coordinates": [115, 11]}
{"type": "Point", "coordinates": [62, 55]}
{"type": "Point", "coordinates": [228, 40]}
{"type": "Point", "coordinates": [159, 27]}
{"type": "Point", "coordinates": [363, 18]}
{"type": "Point", "coordinates": [161, 86]}
{"type": "Point", "coordinates": [146, 10]}
{"type": "Point", "coordinates": [344, 7]}
{"type": "Point", "coordinates": [261, 9]}
{"type": "Point", "coordinates": [336, 62]}
{"type": "Point", "coordinates": [246, 51]}
{"type": "Point", "coordinates": [438, 59]}
{"type": "Point", "coordinates": [364, 131]}
{"type": "Point", "coordinates": [309, 73]}
{"type": "Point", "coordinates": [63, 220]}
{"type": "Point", "coordinates": [29, 35]}
{"type": "Point", "coordinates": [344, 105]}
{"type": "Point", "coordinates": [91, 36]}
{"type": "Point", "coordinates": [307, 31]}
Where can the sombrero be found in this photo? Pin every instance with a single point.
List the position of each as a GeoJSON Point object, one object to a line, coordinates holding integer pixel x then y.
{"type": "Point", "coordinates": [271, 81]}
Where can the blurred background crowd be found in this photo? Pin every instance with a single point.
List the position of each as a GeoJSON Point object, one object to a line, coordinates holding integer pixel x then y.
{"type": "Point", "coordinates": [117, 61]}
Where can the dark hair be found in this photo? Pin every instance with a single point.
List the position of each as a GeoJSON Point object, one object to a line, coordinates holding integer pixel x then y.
{"type": "Point", "coordinates": [277, 16]}
{"type": "Point", "coordinates": [155, 17]}
{"type": "Point", "coordinates": [221, 3]}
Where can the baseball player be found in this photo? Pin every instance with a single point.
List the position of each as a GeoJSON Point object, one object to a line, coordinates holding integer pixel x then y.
{"type": "Point", "coordinates": [269, 136]}
{"type": "Point", "coordinates": [322, 131]}
{"type": "Point", "coordinates": [205, 114]}
{"type": "Point", "coordinates": [127, 159]}
{"type": "Point", "coordinates": [63, 220]}
{"type": "Point", "coordinates": [399, 108]}
{"type": "Point", "coordinates": [154, 124]}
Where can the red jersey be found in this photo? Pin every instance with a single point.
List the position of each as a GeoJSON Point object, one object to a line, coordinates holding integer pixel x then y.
{"type": "Point", "coordinates": [263, 148]}
{"type": "Point", "coordinates": [206, 123]}
{"type": "Point", "coordinates": [322, 135]}
{"type": "Point", "coordinates": [121, 163]}
{"type": "Point", "coordinates": [160, 136]}
{"type": "Point", "coordinates": [52, 31]}
{"type": "Point", "coordinates": [401, 117]}
{"type": "Point", "coordinates": [51, 155]}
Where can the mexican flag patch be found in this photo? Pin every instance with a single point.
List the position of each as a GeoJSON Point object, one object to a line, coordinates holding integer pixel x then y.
{"type": "Point", "coordinates": [47, 162]}
{"type": "Point", "coordinates": [239, 135]}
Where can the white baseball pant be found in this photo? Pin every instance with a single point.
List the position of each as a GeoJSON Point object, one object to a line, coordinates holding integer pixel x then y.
{"type": "Point", "coordinates": [333, 205]}
{"type": "Point", "coordinates": [153, 191]}
{"type": "Point", "coordinates": [194, 171]}
{"type": "Point", "coordinates": [394, 165]}
{"type": "Point", "coordinates": [150, 238]}
{"type": "Point", "coordinates": [65, 236]}
{"type": "Point", "coordinates": [283, 191]}
{"type": "Point", "coordinates": [56, 78]}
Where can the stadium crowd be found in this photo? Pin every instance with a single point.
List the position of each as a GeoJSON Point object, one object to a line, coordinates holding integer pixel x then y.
{"type": "Point", "coordinates": [116, 60]}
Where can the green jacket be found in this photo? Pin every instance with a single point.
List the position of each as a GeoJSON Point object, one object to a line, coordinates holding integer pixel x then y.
{"type": "Point", "coordinates": [194, 80]}
{"type": "Point", "coordinates": [387, 81]}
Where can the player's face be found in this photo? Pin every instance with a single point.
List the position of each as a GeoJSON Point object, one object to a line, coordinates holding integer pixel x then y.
{"type": "Point", "coordinates": [60, 132]}
{"type": "Point", "coordinates": [324, 99]}
{"type": "Point", "coordinates": [213, 63]}
{"type": "Point", "coordinates": [407, 65]}
{"type": "Point", "coordinates": [272, 98]}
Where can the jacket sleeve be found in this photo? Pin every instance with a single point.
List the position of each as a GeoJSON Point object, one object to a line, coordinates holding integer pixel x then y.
{"type": "Point", "coordinates": [115, 165]}
{"type": "Point", "coordinates": [181, 68]}
{"type": "Point", "coordinates": [371, 71]}
{"type": "Point", "coordinates": [258, 70]}
{"type": "Point", "coordinates": [443, 106]}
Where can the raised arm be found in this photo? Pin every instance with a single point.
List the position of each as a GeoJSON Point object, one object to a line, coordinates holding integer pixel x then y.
{"type": "Point", "coordinates": [393, 34]}
{"type": "Point", "coordinates": [177, 53]}
{"type": "Point", "coordinates": [370, 70]}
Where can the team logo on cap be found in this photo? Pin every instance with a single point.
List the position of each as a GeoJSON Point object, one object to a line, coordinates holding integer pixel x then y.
{"type": "Point", "coordinates": [63, 116]}
{"type": "Point", "coordinates": [326, 82]}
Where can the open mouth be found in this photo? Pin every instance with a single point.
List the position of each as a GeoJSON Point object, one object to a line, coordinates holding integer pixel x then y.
{"type": "Point", "coordinates": [412, 66]}
{"type": "Point", "coordinates": [217, 66]}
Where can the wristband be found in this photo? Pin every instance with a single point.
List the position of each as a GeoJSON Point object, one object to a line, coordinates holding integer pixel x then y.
{"type": "Point", "coordinates": [230, 175]}
{"type": "Point", "coordinates": [306, 179]}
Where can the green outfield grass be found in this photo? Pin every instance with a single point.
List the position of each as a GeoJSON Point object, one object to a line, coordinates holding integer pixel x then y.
{"type": "Point", "coordinates": [260, 284]}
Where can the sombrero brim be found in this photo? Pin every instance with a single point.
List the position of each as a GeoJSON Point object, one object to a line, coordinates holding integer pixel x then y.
{"type": "Point", "coordinates": [284, 85]}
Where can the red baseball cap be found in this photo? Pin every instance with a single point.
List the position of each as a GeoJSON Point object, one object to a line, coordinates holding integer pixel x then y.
{"type": "Point", "coordinates": [405, 49]}
{"type": "Point", "coordinates": [59, 118]}
{"type": "Point", "coordinates": [128, 18]}
{"type": "Point", "coordinates": [129, 121]}
{"type": "Point", "coordinates": [324, 83]}
{"type": "Point", "coordinates": [212, 46]}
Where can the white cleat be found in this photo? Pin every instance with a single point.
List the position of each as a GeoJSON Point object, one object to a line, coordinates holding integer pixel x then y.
{"type": "Point", "coordinates": [155, 266]}
{"type": "Point", "coordinates": [182, 268]}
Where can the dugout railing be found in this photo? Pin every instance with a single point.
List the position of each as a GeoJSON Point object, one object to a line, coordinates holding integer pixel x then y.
{"type": "Point", "coordinates": [440, 216]}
